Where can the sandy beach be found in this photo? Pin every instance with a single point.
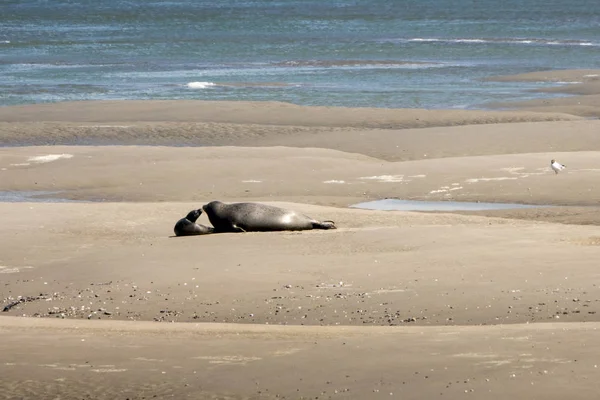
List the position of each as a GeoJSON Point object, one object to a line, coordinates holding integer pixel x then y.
{"type": "Point", "coordinates": [101, 301]}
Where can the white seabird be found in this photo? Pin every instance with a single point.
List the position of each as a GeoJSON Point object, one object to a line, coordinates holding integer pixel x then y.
{"type": "Point", "coordinates": [556, 166]}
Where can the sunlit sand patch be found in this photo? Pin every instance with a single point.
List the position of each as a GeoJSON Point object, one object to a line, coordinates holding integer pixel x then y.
{"type": "Point", "coordinates": [446, 189]}
{"type": "Point", "coordinates": [519, 338]}
{"type": "Point", "coordinates": [338, 285]}
{"type": "Point", "coordinates": [334, 181]}
{"type": "Point", "coordinates": [12, 270]}
{"type": "Point", "coordinates": [109, 370]}
{"type": "Point", "coordinates": [147, 359]}
{"type": "Point", "coordinates": [232, 360]}
{"type": "Point", "coordinates": [590, 241]}
{"type": "Point", "coordinates": [381, 291]}
{"type": "Point", "coordinates": [475, 355]}
{"type": "Point", "coordinates": [6, 270]}
{"type": "Point", "coordinates": [501, 178]}
{"type": "Point", "coordinates": [49, 158]}
{"type": "Point", "coordinates": [286, 352]}
{"type": "Point", "coordinates": [547, 360]}
{"type": "Point", "coordinates": [494, 363]}
{"type": "Point", "coordinates": [520, 171]}
{"type": "Point", "coordinates": [104, 126]}
{"type": "Point", "coordinates": [385, 178]}
{"type": "Point", "coordinates": [513, 170]}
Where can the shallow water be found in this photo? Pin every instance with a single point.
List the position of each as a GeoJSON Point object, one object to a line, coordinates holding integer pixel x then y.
{"type": "Point", "coordinates": [365, 53]}
{"type": "Point", "coordinates": [415, 205]}
{"type": "Point", "coordinates": [37, 196]}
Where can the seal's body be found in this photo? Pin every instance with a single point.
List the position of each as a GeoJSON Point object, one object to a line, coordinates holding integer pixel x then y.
{"type": "Point", "coordinates": [187, 226]}
{"type": "Point", "coordinates": [255, 217]}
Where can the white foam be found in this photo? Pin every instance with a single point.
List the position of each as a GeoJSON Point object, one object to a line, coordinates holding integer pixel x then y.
{"type": "Point", "coordinates": [334, 181]}
{"type": "Point", "coordinates": [251, 181]}
{"type": "Point", "coordinates": [49, 158]}
{"type": "Point", "coordinates": [590, 76]}
{"type": "Point", "coordinates": [199, 85]}
{"type": "Point", "coordinates": [533, 41]}
{"type": "Point", "coordinates": [5, 41]}
{"type": "Point", "coordinates": [473, 41]}
{"type": "Point", "coordinates": [423, 40]}
{"type": "Point", "coordinates": [12, 270]}
{"type": "Point", "coordinates": [502, 178]}
{"type": "Point", "coordinates": [417, 176]}
{"type": "Point", "coordinates": [20, 164]}
{"type": "Point", "coordinates": [385, 178]}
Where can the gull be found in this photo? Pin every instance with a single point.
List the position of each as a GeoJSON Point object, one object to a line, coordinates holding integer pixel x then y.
{"type": "Point", "coordinates": [556, 166]}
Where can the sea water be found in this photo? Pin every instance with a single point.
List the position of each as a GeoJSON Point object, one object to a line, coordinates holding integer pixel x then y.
{"type": "Point", "coordinates": [417, 205]}
{"type": "Point", "coordinates": [359, 53]}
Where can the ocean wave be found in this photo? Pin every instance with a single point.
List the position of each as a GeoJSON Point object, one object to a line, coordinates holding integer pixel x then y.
{"type": "Point", "coordinates": [516, 41]}
{"type": "Point", "coordinates": [241, 85]}
{"type": "Point", "coordinates": [354, 63]}
{"type": "Point", "coordinates": [199, 85]}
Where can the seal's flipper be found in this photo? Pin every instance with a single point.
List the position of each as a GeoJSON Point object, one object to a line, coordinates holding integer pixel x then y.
{"type": "Point", "coordinates": [237, 228]}
{"type": "Point", "coordinates": [324, 225]}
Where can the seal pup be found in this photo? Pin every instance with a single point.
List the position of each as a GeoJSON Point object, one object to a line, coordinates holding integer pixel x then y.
{"type": "Point", "coordinates": [256, 217]}
{"type": "Point", "coordinates": [556, 166]}
{"type": "Point", "coordinates": [187, 226]}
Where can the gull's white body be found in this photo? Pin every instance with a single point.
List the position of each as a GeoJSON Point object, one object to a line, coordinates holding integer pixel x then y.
{"type": "Point", "coordinates": [556, 166]}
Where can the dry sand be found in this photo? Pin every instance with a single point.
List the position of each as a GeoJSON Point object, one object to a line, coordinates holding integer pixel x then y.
{"type": "Point", "coordinates": [102, 302]}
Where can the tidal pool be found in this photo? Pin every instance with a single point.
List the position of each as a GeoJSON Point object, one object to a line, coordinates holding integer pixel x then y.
{"type": "Point", "coordinates": [38, 196]}
{"type": "Point", "coordinates": [417, 205]}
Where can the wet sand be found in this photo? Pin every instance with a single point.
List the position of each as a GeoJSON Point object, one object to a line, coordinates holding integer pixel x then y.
{"type": "Point", "coordinates": [100, 300]}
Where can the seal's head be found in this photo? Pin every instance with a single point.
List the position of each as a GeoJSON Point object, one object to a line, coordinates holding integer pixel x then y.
{"type": "Point", "coordinates": [212, 206]}
{"type": "Point", "coordinates": [193, 215]}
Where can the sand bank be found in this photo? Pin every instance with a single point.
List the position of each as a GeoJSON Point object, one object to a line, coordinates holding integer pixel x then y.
{"type": "Point", "coordinates": [582, 85]}
{"type": "Point", "coordinates": [412, 304]}
{"type": "Point", "coordinates": [107, 360]}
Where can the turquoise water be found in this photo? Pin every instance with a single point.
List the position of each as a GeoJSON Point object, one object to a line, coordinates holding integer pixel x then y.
{"type": "Point", "coordinates": [377, 53]}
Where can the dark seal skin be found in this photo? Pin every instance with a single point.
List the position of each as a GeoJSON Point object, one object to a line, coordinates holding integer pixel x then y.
{"type": "Point", "coordinates": [187, 226]}
{"type": "Point", "coordinates": [256, 217]}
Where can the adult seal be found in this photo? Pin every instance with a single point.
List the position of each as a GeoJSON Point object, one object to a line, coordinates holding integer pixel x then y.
{"type": "Point", "coordinates": [187, 226]}
{"type": "Point", "coordinates": [255, 217]}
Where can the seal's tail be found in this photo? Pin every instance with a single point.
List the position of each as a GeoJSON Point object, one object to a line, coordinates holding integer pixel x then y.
{"type": "Point", "coordinates": [324, 225]}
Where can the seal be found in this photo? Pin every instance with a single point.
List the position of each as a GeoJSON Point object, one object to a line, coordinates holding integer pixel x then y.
{"type": "Point", "coordinates": [256, 217]}
{"type": "Point", "coordinates": [187, 226]}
